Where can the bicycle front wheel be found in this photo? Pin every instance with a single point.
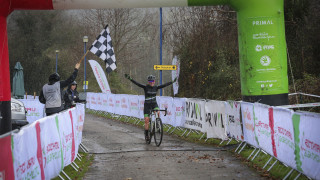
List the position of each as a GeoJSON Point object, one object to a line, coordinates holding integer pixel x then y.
{"type": "Point", "coordinates": [158, 132]}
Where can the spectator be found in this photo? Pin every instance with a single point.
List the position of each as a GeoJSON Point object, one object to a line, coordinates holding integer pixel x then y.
{"type": "Point", "coordinates": [51, 93]}
{"type": "Point", "coordinates": [71, 96]}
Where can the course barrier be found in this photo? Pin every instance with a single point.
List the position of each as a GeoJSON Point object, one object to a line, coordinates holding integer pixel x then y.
{"type": "Point", "coordinates": [43, 148]}
{"type": "Point", "coordinates": [290, 137]}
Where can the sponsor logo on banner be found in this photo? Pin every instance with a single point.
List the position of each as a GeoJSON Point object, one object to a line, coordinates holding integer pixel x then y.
{"type": "Point", "coordinates": [215, 119]}
{"type": "Point", "coordinates": [195, 116]}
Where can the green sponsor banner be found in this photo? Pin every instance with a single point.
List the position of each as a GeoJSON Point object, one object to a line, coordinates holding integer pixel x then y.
{"type": "Point", "coordinates": [262, 46]}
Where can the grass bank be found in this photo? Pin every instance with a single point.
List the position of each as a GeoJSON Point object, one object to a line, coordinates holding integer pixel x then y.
{"type": "Point", "coordinates": [84, 164]}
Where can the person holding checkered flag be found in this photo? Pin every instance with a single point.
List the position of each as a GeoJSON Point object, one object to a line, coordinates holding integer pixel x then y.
{"type": "Point", "coordinates": [102, 47]}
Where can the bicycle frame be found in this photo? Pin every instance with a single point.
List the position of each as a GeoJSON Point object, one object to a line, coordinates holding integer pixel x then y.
{"type": "Point", "coordinates": [154, 115]}
{"type": "Point", "coordinates": [153, 125]}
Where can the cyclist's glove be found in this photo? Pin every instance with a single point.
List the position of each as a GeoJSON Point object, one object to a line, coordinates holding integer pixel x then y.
{"type": "Point", "coordinates": [128, 76]}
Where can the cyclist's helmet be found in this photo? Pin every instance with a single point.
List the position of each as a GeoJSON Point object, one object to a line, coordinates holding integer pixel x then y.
{"type": "Point", "coordinates": [151, 78]}
{"type": "Point", "coordinates": [74, 83]}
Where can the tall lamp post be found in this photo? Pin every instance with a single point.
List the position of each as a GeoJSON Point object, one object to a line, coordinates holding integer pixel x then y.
{"type": "Point", "coordinates": [57, 52]}
{"type": "Point", "coordinates": [160, 48]}
{"type": "Point", "coordinates": [85, 40]}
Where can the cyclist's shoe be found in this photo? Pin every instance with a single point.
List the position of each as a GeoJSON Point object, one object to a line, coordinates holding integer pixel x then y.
{"type": "Point", "coordinates": [147, 138]}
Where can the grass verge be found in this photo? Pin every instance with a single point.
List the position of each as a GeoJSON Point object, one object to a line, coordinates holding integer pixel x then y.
{"type": "Point", "coordinates": [84, 165]}
{"type": "Point", "coordinates": [278, 171]}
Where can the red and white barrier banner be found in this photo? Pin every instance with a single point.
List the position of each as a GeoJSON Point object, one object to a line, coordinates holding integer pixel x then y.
{"type": "Point", "coordinates": [6, 165]}
{"type": "Point", "coordinates": [179, 106]}
{"type": "Point", "coordinates": [78, 124]}
{"type": "Point", "coordinates": [51, 146]}
{"type": "Point", "coordinates": [233, 122]}
{"type": "Point", "coordinates": [28, 161]}
{"type": "Point", "coordinates": [93, 101]}
{"type": "Point", "coordinates": [134, 106]}
{"type": "Point", "coordinates": [124, 105]}
{"type": "Point", "coordinates": [42, 149]}
{"type": "Point", "coordinates": [117, 104]}
{"type": "Point", "coordinates": [307, 143]}
{"type": "Point", "coordinates": [104, 98]}
{"type": "Point", "coordinates": [264, 127]}
{"type": "Point", "coordinates": [111, 103]}
{"type": "Point", "coordinates": [195, 114]}
{"type": "Point", "coordinates": [216, 119]}
{"type": "Point", "coordinates": [88, 99]}
{"type": "Point", "coordinates": [166, 102]}
{"type": "Point", "coordinates": [35, 109]}
{"type": "Point", "coordinates": [99, 105]}
{"type": "Point", "coordinates": [284, 136]}
{"type": "Point", "coordinates": [248, 120]}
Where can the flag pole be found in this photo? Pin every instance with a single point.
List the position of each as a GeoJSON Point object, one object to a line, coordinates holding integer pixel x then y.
{"type": "Point", "coordinates": [83, 56]}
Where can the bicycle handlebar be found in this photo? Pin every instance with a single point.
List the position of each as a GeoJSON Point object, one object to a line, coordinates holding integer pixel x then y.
{"type": "Point", "coordinates": [165, 110]}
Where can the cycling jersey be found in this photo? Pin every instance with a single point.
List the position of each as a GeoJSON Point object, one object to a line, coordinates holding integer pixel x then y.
{"type": "Point", "coordinates": [150, 93]}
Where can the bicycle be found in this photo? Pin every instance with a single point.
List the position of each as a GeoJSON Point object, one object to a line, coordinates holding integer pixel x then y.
{"type": "Point", "coordinates": [155, 126]}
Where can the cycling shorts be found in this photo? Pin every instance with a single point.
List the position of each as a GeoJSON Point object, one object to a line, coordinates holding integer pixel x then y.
{"type": "Point", "coordinates": [148, 107]}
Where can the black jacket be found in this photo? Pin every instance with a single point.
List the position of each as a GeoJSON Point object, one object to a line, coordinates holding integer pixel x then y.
{"type": "Point", "coordinates": [63, 84]}
{"type": "Point", "coordinates": [70, 100]}
{"type": "Point", "coordinates": [150, 92]}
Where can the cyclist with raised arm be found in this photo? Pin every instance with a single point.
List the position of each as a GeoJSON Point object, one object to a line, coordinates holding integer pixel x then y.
{"type": "Point", "coordinates": [150, 103]}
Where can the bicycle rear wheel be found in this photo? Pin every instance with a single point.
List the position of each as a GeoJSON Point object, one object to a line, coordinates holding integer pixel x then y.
{"type": "Point", "coordinates": [158, 132]}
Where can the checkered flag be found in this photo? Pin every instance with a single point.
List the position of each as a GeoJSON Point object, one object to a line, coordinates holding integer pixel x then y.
{"type": "Point", "coordinates": [102, 47]}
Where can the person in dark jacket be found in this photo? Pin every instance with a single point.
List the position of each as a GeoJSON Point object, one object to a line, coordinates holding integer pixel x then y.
{"type": "Point", "coordinates": [51, 93]}
{"type": "Point", "coordinates": [71, 96]}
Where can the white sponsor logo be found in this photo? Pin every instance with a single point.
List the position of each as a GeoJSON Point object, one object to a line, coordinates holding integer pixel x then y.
{"type": "Point", "coordinates": [258, 48]}
{"type": "Point", "coordinates": [265, 60]}
{"type": "Point", "coordinates": [268, 47]}
{"type": "Point", "coordinates": [260, 23]}
{"type": "Point", "coordinates": [263, 35]}
{"type": "Point", "coordinates": [264, 47]}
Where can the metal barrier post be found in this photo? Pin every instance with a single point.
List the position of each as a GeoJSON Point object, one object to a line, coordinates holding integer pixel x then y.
{"type": "Point", "coordinates": [288, 175]}
{"type": "Point", "coordinates": [255, 155]}
{"type": "Point", "coordinates": [297, 176]}
{"type": "Point", "coordinates": [60, 177]}
{"type": "Point", "coordinates": [229, 141]}
{"type": "Point", "coordinates": [74, 167]}
{"type": "Point", "coordinates": [189, 132]}
{"type": "Point", "coordinates": [251, 153]}
{"type": "Point", "coordinates": [202, 136]}
{"type": "Point", "coordinates": [242, 148]}
{"type": "Point", "coordinates": [238, 147]}
{"type": "Point", "coordinates": [84, 148]}
{"type": "Point", "coordinates": [184, 132]}
{"type": "Point", "coordinates": [221, 142]}
{"type": "Point", "coordinates": [267, 162]}
{"type": "Point", "coordinates": [66, 175]}
{"type": "Point", "coordinates": [272, 165]}
{"type": "Point", "coordinates": [173, 130]}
